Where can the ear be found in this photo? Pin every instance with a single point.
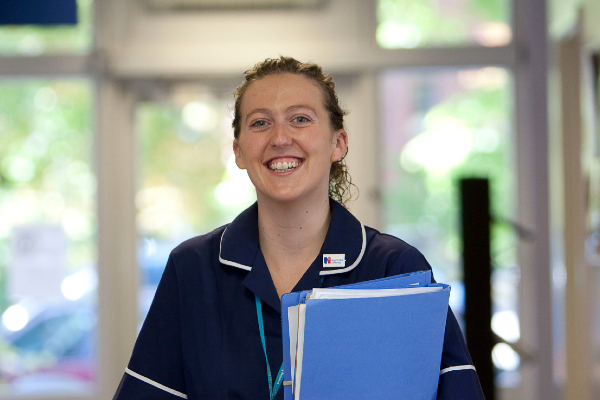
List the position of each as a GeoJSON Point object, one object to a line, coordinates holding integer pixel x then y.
{"type": "Point", "coordinates": [239, 160]}
{"type": "Point", "coordinates": [340, 140]}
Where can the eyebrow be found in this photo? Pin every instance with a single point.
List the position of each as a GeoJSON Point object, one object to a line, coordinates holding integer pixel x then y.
{"type": "Point", "coordinates": [296, 107]}
{"type": "Point", "coordinates": [258, 110]}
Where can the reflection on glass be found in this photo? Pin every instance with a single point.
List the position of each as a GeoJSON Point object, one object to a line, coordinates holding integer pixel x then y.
{"type": "Point", "coordinates": [189, 182]}
{"type": "Point", "coordinates": [47, 239]}
{"type": "Point", "coordinates": [505, 357]}
{"type": "Point", "coordinates": [420, 23]}
{"type": "Point", "coordinates": [33, 40]}
{"type": "Point", "coordinates": [439, 126]}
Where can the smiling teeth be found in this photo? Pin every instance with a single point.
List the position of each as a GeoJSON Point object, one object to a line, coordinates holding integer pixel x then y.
{"type": "Point", "coordinates": [283, 166]}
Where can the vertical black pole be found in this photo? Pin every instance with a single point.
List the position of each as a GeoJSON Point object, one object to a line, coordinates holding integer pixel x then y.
{"type": "Point", "coordinates": [475, 210]}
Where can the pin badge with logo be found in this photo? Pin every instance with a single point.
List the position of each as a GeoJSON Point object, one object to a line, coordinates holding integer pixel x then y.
{"type": "Point", "coordinates": [334, 260]}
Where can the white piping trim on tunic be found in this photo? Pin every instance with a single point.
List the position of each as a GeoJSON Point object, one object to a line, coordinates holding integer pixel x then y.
{"type": "Point", "coordinates": [155, 384]}
{"type": "Point", "coordinates": [360, 256]}
{"type": "Point", "coordinates": [227, 262]}
{"type": "Point", "coordinates": [457, 368]}
{"type": "Point", "coordinates": [329, 272]}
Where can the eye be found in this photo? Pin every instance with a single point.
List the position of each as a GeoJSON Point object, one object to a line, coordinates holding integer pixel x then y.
{"type": "Point", "coordinates": [301, 119]}
{"type": "Point", "coordinates": [259, 123]}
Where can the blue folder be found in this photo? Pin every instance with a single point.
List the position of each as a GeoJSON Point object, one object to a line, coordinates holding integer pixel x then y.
{"type": "Point", "coordinates": [380, 348]}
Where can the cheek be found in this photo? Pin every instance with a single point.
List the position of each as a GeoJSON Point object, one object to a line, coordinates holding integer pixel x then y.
{"type": "Point", "coordinates": [239, 150]}
{"type": "Point", "coordinates": [249, 150]}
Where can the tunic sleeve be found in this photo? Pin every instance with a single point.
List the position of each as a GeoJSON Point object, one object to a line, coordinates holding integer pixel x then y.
{"type": "Point", "coordinates": [155, 370]}
{"type": "Point", "coordinates": [458, 378]}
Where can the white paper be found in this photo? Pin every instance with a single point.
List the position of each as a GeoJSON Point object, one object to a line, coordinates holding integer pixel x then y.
{"type": "Point", "coordinates": [301, 323]}
{"type": "Point", "coordinates": [293, 332]}
{"type": "Point", "coordinates": [38, 261]}
{"type": "Point", "coordinates": [329, 293]}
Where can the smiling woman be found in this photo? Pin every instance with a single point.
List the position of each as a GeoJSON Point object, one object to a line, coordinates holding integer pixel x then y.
{"type": "Point", "coordinates": [340, 181]}
{"type": "Point", "coordinates": [286, 141]}
{"type": "Point", "coordinates": [215, 322]}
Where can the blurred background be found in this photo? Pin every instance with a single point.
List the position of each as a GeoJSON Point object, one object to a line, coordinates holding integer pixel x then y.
{"type": "Point", "coordinates": [115, 146]}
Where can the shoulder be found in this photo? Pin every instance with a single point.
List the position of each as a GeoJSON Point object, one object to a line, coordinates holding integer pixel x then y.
{"type": "Point", "coordinates": [383, 243]}
{"type": "Point", "coordinates": [199, 247]}
{"type": "Point", "coordinates": [386, 241]}
{"type": "Point", "coordinates": [398, 256]}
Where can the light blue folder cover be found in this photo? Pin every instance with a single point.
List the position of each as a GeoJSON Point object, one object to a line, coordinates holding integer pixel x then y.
{"type": "Point", "coordinates": [350, 354]}
{"type": "Point", "coordinates": [419, 278]}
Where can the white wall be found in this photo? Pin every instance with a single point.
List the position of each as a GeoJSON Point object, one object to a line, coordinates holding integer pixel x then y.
{"type": "Point", "coordinates": [229, 41]}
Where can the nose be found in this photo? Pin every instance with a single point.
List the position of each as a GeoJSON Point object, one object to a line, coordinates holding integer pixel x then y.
{"type": "Point", "coordinates": [281, 136]}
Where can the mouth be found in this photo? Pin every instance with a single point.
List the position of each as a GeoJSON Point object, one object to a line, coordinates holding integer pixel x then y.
{"type": "Point", "coordinates": [283, 164]}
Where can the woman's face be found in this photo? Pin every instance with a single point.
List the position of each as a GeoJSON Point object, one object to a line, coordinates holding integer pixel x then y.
{"type": "Point", "coordinates": [286, 141]}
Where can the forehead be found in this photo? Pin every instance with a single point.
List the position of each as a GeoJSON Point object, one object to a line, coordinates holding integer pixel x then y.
{"type": "Point", "coordinates": [282, 91]}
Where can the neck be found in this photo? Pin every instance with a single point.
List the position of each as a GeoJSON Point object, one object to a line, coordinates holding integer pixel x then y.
{"type": "Point", "coordinates": [291, 235]}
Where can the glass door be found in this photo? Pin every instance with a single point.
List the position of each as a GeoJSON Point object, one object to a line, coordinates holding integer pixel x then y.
{"type": "Point", "coordinates": [440, 125]}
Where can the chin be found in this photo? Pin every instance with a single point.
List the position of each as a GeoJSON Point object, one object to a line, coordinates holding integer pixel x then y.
{"type": "Point", "coordinates": [284, 197]}
{"type": "Point", "coordinates": [293, 192]}
{"type": "Point", "coordinates": [294, 195]}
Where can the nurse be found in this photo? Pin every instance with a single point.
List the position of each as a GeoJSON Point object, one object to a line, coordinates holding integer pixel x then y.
{"type": "Point", "coordinates": [214, 328]}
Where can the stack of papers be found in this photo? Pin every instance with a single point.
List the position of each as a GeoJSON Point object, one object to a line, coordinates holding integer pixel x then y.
{"type": "Point", "coordinates": [376, 339]}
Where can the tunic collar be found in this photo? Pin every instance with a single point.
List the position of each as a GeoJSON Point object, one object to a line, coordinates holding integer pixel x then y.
{"type": "Point", "coordinates": [239, 248]}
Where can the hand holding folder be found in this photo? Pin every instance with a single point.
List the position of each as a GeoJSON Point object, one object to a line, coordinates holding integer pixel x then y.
{"type": "Point", "coordinates": [379, 339]}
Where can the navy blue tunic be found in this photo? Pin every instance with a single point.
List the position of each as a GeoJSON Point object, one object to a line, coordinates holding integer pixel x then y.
{"type": "Point", "coordinates": [201, 338]}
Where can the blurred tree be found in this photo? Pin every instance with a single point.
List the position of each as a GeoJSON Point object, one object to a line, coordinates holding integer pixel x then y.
{"type": "Point", "coordinates": [420, 23]}
{"type": "Point", "coordinates": [420, 194]}
{"type": "Point", "coordinates": [182, 168]}
{"type": "Point", "coordinates": [46, 165]}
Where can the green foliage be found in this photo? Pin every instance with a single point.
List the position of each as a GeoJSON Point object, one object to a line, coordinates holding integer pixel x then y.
{"type": "Point", "coordinates": [490, 10]}
{"type": "Point", "coordinates": [185, 163]}
{"type": "Point", "coordinates": [45, 164]}
{"type": "Point", "coordinates": [422, 206]}
{"type": "Point", "coordinates": [418, 23]}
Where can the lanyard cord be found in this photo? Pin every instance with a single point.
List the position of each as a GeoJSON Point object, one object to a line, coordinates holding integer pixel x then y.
{"type": "Point", "coordinates": [273, 389]}
{"type": "Point", "coordinates": [261, 327]}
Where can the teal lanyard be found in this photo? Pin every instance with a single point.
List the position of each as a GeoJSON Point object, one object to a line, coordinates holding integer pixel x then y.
{"type": "Point", "coordinates": [261, 326]}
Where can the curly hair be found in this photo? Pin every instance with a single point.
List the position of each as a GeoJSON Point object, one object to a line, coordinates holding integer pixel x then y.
{"type": "Point", "coordinates": [341, 187]}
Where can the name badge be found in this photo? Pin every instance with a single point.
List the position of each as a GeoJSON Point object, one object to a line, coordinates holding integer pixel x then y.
{"type": "Point", "coordinates": [334, 260]}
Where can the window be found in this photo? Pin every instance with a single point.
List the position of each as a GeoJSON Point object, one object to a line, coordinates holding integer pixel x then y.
{"type": "Point", "coordinates": [430, 23]}
{"type": "Point", "coordinates": [440, 125]}
{"type": "Point", "coordinates": [47, 238]}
